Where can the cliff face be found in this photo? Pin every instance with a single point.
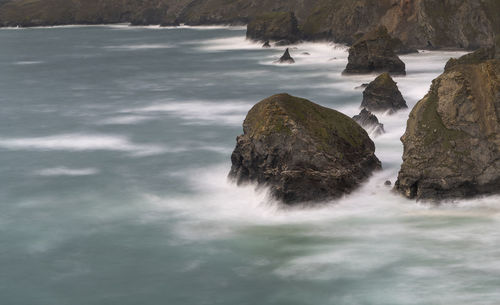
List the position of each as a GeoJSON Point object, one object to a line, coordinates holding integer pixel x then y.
{"type": "Point", "coordinates": [418, 23]}
{"type": "Point", "coordinates": [452, 140]}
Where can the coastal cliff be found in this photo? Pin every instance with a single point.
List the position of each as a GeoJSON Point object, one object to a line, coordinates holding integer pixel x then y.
{"type": "Point", "coordinates": [430, 24]}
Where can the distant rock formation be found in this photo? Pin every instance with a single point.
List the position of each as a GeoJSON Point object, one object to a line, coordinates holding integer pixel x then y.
{"type": "Point", "coordinates": [286, 58]}
{"type": "Point", "coordinates": [452, 139]}
{"type": "Point", "coordinates": [302, 151]}
{"type": "Point", "coordinates": [369, 122]}
{"type": "Point", "coordinates": [420, 24]}
{"type": "Point", "coordinates": [276, 26]}
{"type": "Point", "coordinates": [374, 52]}
{"type": "Point", "coordinates": [383, 95]}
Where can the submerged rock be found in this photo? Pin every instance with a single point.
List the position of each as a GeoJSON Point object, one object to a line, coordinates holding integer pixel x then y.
{"type": "Point", "coordinates": [304, 152]}
{"type": "Point", "coordinates": [266, 44]}
{"type": "Point", "coordinates": [452, 139]}
{"type": "Point", "coordinates": [276, 26]}
{"type": "Point", "coordinates": [387, 183]}
{"type": "Point", "coordinates": [369, 121]}
{"type": "Point", "coordinates": [383, 95]}
{"type": "Point", "coordinates": [286, 58]}
{"type": "Point", "coordinates": [374, 52]}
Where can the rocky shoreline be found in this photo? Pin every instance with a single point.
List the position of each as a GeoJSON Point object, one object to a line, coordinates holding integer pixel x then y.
{"type": "Point", "coordinates": [423, 24]}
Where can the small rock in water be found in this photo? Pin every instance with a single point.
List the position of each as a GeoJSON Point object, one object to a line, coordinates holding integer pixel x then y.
{"type": "Point", "coordinates": [383, 95]}
{"type": "Point", "coordinates": [388, 183]}
{"type": "Point", "coordinates": [369, 121]}
{"type": "Point", "coordinates": [362, 86]}
{"type": "Point", "coordinates": [305, 53]}
{"type": "Point", "coordinates": [286, 58]}
{"type": "Point", "coordinates": [266, 44]}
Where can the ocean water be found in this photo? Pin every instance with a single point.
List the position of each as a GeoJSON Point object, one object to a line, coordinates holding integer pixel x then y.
{"type": "Point", "coordinates": [115, 144]}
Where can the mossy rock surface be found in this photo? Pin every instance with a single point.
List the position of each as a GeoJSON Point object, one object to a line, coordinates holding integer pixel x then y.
{"type": "Point", "coordinates": [274, 26]}
{"type": "Point", "coordinates": [304, 152]}
{"type": "Point", "coordinates": [383, 95]}
{"type": "Point", "coordinates": [452, 139]}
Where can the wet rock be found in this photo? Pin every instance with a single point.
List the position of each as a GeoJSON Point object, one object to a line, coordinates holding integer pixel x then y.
{"type": "Point", "coordinates": [452, 139]}
{"type": "Point", "coordinates": [305, 53]}
{"type": "Point", "coordinates": [362, 86]}
{"type": "Point", "coordinates": [383, 95]}
{"type": "Point", "coordinates": [369, 122]}
{"type": "Point", "coordinates": [266, 44]}
{"type": "Point", "coordinates": [387, 183]}
{"type": "Point", "coordinates": [374, 52]}
{"type": "Point", "coordinates": [286, 58]}
{"type": "Point", "coordinates": [302, 151]}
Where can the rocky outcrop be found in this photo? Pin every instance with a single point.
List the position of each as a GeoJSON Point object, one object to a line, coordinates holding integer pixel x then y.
{"type": "Point", "coordinates": [276, 26]}
{"type": "Point", "coordinates": [286, 58]}
{"type": "Point", "coordinates": [266, 44]}
{"type": "Point", "coordinates": [302, 151]}
{"type": "Point", "coordinates": [369, 122]}
{"type": "Point", "coordinates": [374, 52]}
{"type": "Point", "coordinates": [452, 139]}
{"type": "Point", "coordinates": [416, 23]}
{"type": "Point", "coordinates": [383, 95]}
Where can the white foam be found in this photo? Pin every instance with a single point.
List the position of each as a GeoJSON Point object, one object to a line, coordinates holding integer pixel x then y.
{"type": "Point", "coordinates": [65, 171]}
{"type": "Point", "coordinates": [200, 112]}
{"type": "Point", "coordinates": [82, 142]}
{"type": "Point", "coordinates": [227, 44]}
{"type": "Point", "coordinates": [125, 120]}
{"type": "Point", "coordinates": [33, 62]}
{"type": "Point", "coordinates": [135, 47]}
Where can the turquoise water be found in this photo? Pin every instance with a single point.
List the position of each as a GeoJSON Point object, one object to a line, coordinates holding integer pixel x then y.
{"type": "Point", "coordinates": [115, 144]}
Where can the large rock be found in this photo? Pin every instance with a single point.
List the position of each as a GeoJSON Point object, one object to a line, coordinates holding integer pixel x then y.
{"type": "Point", "coordinates": [304, 152]}
{"type": "Point", "coordinates": [452, 139]}
{"type": "Point", "coordinates": [374, 52]}
{"type": "Point", "coordinates": [369, 122]}
{"type": "Point", "coordinates": [286, 58]}
{"type": "Point", "coordinates": [383, 95]}
{"type": "Point", "coordinates": [276, 26]}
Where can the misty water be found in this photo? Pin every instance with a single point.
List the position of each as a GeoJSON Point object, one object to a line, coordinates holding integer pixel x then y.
{"type": "Point", "coordinates": [115, 145]}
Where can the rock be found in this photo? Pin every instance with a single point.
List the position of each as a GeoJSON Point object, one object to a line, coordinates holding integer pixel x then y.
{"type": "Point", "coordinates": [305, 53]}
{"type": "Point", "coordinates": [452, 139]}
{"type": "Point", "coordinates": [283, 42]}
{"type": "Point", "coordinates": [387, 183]}
{"type": "Point", "coordinates": [362, 86]}
{"type": "Point", "coordinates": [374, 53]}
{"type": "Point", "coordinates": [302, 151]}
{"type": "Point", "coordinates": [277, 26]}
{"type": "Point", "coordinates": [370, 122]}
{"type": "Point", "coordinates": [286, 58]}
{"type": "Point", "coordinates": [266, 44]}
{"type": "Point", "coordinates": [383, 95]}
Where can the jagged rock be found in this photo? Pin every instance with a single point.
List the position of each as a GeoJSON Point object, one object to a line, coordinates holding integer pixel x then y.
{"type": "Point", "coordinates": [286, 58]}
{"type": "Point", "coordinates": [302, 151]}
{"type": "Point", "coordinates": [362, 86]}
{"type": "Point", "coordinates": [452, 139]}
{"type": "Point", "coordinates": [383, 95]}
{"type": "Point", "coordinates": [388, 183]}
{"type": "Point", "coordinates": [266, 44]}
{"type": "Point", "coordinates": [277, 26]}
{"type": "Point", "coordinates": [369, 122]}
{"type": "Point", "coordinates": [374, 53]}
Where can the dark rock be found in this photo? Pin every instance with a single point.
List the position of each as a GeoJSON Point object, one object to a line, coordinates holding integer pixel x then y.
{"type": "Point", "coordinates": [266, 44]}
{"type": "Point", "coordinates": [452, 139]}
{"type": "Point", "coordinates": [362, 86]}
{"type": "Point", "coordinates": [286, 58]}
{"type": "Point", "coordinates": [305, 53]}
{"type": "Point", "coordinates": [369, 122]}
{"type": "Point", "coordinates": [302, 151]}
{"type": "Point", "coordinates": [374, 53]}
{"type": "Point", "coordinates": [283, 42]}
{"type": "Point", "coordinates": [388, 183]}
{"type": "Point", "coordinates": [277, 26]}
{"type": "Point", "coordinates": [383, 95]}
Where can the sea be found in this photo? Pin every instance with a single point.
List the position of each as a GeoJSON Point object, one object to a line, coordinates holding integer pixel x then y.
{"type": "Point", "coordinates": [115, 145]}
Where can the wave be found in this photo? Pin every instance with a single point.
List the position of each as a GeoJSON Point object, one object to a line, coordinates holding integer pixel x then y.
{"type": "Point", "coordinates": [28, 62]}
{"type": "Point", "coordinates": [201, 112]}
{"type": "Point", "coordinates": [82, 142]}
{"type": "Point", "coordinates": [135, 47]}
{"type": "Point", "coordinates": [65, 171]}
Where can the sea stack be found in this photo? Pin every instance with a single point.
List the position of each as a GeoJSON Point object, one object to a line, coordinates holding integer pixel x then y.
{"type": "Point", "coordinates": [374, 52]}
{"type": "Point", "coordinates": [452, 139]}
{"type": "Point", "coordinates": [383, 95]}
{"type": "Point", "coordinates": [369, 122]}
{"type": "Point", "coordinates": [302, 151]}
{"type": "Point", "coordinates": [286, 58]}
